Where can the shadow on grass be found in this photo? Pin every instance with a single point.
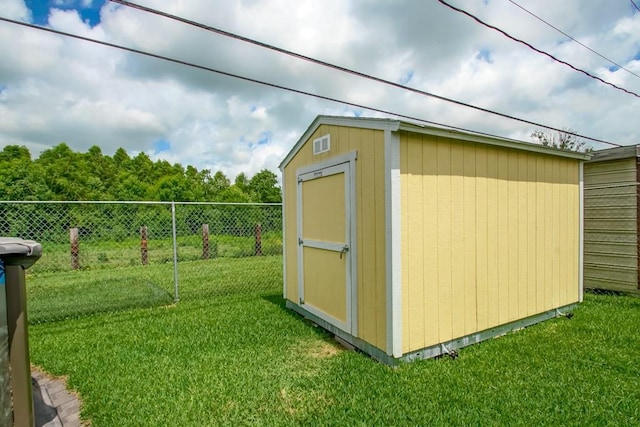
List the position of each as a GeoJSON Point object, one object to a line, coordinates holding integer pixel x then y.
{"type": "Point", "coordinates": [279, 301]}
{"type": "Point", "coordinates": [97, 297]}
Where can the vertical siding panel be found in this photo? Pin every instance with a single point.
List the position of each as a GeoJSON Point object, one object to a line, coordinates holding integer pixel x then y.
{"type": "Point", "coordinates": [444, 240]}
{"type": "Point", "coordinates": [457, 240]}
{"type": "Point", "coordinates": [564, 212]}
{"type": "Point", "coordinates": [380, 239]}
{"type": "Point", "coordinates": [470, 237]}
{"type": "Point", "coordinates": [291, 233]}
{"type": "Point", "coordinates": [429, 195]}
{"type": "Point", "coordinates": [366, 247]}
{"type": "Point", "coordinates": [512, 233]}
{"type": "Point", "coordinates": [415, 216]}
{"type": "Point", "coordinates": [523, 235]}
{"type": "Point", "coordinates": [342, 145]}
{"type": "Point", "coordinates": [503, 237]}
{"type": "Point", "coordinates": [405, 241]}
{"type": "Point", "coordinates": [532, 206]}
{"type": "Point", "coordinates": [548, 233]}
{"type": "Point", "coordinates": [541, 243]}
{"type": "Point", "coordinates": [482, 250]}
{"type": "Point", "coordinates": [493, 231]}
{"type": "Point", "coordinates": [556, 232]}
{"type": "Point", "coordinates": [574, 195]}
{"type": "Point", "coordinates": [574, 232]}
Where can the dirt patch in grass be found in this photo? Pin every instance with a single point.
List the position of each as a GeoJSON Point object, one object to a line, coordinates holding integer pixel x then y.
{"type": "Point", "coordinates": [320, 349]}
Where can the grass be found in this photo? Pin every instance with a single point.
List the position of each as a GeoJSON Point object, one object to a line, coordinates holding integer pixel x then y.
{"type": "Point", "coordinates": [223, 357]}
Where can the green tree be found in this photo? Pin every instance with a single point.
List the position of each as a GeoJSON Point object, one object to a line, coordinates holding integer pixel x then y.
{"type": "Point", "coordinates": [242, 182]}
{"type": "Point", "coordinates": [121, 158]}
{"type": "Point", "coordinates": [173, 188]}
{"type": "Point", "coordinates": [20, 178]}
{"type": "Point", "coordinates": [233, 194]}
{"type": "Point", "coordinates": [12, 153]}
{"type": "Point", "coordinates": [565, 140]}
{"type": "Point", "coordinates": [264, 187]}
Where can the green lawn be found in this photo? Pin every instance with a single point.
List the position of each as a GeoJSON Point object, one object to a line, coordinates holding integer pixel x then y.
{"type": "Point", "coordinates": [223, 357]}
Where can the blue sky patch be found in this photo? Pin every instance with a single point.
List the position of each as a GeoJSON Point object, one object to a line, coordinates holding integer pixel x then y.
{"type": "Point", "coordinates": [406, 78]}
{"type": "Point", "coordinates": [265, 138]}
{"type": "Point", "coordinates": [161, 145]}
{"type": "Point", "coordinates": [485, 55]}
{"type": "Point", "coordinates": [89, 10]}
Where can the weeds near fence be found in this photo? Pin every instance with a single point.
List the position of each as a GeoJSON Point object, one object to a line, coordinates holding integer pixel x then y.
{"type": "Point", "coordinates": [127, 252]}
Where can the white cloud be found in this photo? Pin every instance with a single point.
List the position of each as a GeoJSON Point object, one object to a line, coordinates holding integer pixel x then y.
{"type": "Point", "coordinates": [55, 89]}
{"type": "Point", "coordinates": [16, 9]}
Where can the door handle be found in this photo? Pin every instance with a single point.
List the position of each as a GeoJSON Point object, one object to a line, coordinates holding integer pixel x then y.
{"type": "Point", "coordinates": [344, 250]}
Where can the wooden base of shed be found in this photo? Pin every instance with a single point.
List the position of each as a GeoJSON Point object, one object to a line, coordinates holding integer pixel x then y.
{"type": "Point", "coordinates": [437, 349]}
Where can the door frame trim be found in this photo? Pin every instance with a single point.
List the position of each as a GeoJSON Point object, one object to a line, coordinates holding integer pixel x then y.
{"type": "Point", "coordinates": [351, 231]}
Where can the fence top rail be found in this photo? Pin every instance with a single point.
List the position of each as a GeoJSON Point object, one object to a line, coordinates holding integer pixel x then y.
{"type": "Point", "coordinates": [127, 202]}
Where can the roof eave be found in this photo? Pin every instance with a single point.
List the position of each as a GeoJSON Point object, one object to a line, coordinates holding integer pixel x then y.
{"type": "Point", "coordinates": [491, 140]}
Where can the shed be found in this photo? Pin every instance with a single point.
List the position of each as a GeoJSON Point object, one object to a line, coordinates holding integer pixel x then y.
{"type": "Point", "coordinates": [410, 241]}
{"type": "Point", "coordinates": [611, 204]}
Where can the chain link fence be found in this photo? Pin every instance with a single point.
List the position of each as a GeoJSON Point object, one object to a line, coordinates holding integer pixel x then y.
{"type": "Point", "coordinates": [106, 256]}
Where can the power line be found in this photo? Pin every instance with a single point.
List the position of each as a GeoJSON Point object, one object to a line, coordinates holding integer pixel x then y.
{"type": "Point", "coordinates": [577, 41]}
{"type": "Point", "coordinates": [273, 85]}
{"type": "Point", "coordinates": [635, 5]}
{"type": "Point", "coordinates": [285, 88]}
{"type": "Point", "coordinates": [335, 67]}
{"type": "Point", "coordinates": [542, 52]}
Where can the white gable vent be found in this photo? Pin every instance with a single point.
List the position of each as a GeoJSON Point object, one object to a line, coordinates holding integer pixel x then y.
{"type": "Point", "coordinates": [322, 144]}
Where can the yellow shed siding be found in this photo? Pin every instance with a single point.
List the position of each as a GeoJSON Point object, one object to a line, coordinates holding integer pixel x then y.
{"type": "Point", "coordinates": [489, 235]}
{"type": "Point", "coordinates": [369, 221]}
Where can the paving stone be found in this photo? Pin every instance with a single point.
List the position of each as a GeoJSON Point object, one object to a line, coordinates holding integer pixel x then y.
{"type": "Point", "coordinates": [54, 405]}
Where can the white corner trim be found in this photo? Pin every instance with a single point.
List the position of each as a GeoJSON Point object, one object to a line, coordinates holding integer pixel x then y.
{"type": "Point", "coordinates": [581, 238]}
{"type": "Point", "coordinates": [353, 253]}
{"type": "Point", "coordinates": [284, 240]}
{"type": "Point", "coordinates": [393, 243]}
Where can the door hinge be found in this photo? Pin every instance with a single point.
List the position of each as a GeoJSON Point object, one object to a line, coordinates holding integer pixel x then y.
{"type": "Point", "coordinates": [300, 242]}
{"type": "Point", "coordinates": [301, 301]}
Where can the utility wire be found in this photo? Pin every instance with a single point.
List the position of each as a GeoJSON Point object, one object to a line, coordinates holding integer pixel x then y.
{"type": "Point", "coordinates": [577, 41]}
{"type": "Point", "coordinates": [340, 68]}
{"type": "Point", "coordinates": [635, 5]}
{"type": "Point", "coordinates": [542, 52]}
{"type": "Point", "coordinates": [273, 85]}
{"type": "Point", "coordinates": [285, 88]}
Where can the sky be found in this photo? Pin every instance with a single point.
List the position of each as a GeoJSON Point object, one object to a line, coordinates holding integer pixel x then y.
{"type": "Point", "coordinates": [55, 89]}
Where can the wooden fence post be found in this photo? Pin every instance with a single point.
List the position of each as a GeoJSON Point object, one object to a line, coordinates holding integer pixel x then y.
{"type": "Point", "coordinates": [75, 248]}
{"type": "Point", "coordinates": [205, 241]}
{"type": "Point", "coordinates": [144, 255]}
{"type": "Point", "coordinates": [258, 235]}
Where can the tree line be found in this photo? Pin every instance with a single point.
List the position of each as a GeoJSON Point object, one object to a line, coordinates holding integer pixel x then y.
{"type": "Point", "coordinates": [59, 173]}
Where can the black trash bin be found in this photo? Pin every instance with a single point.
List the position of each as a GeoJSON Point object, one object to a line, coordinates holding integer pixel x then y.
{"type": "Point", "coordinates": [16, 402]}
